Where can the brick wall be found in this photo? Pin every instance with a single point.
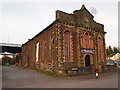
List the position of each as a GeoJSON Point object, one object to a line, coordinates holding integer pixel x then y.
{"type": "Point", "coordinates": [51, 55]}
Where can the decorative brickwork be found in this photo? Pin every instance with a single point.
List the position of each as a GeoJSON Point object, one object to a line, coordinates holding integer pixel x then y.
{"type": "Point", "coordinates": [71, 41]}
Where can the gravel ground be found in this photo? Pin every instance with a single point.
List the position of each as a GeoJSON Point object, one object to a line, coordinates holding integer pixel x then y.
{"type": "Point", "coordinates": [13, 77]}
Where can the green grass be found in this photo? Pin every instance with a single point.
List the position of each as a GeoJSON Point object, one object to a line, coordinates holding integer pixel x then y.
{"type": "Point", "coordinates": [4, 65]}
{"type": "Point", "coordinates": [19, 66]}
{"type": "Point", "coordinates": [45, 72]}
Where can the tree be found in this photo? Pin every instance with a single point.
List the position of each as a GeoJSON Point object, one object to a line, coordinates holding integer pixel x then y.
{"type": "Point", "coordinates": [6, 59]}
{"type": "Point", "coordinates": [109, 51]}
{"type": "Point", "coordinates": [17, 58]}
{"type": "Point", "coordinates": [115, 50]}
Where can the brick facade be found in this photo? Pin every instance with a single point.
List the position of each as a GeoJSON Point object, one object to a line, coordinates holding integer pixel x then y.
{"type": "Point", "coordinates": [72, 40]}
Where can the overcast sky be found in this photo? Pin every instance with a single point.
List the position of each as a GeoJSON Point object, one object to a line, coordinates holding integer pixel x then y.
{"type": "Point", "coordinates": [20, 21]}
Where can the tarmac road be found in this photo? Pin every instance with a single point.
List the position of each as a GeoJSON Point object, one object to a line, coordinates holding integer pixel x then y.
{"type": "Point", "coordinates": [14, 77]}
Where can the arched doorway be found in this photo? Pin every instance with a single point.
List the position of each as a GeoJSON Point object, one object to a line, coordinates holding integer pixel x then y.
{"type": "Point", "coordinates": [87, 60]}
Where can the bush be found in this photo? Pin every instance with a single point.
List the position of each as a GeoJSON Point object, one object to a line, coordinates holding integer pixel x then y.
{"type": "Point", "coordinates": [6, 59]}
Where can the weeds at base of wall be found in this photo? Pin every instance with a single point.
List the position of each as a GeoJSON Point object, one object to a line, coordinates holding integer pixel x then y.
{"type": "Point", "coordinates": [19, 67]}
{"type": "Point", "coordinates": [60, 75]}
{"type": "Point", "coordinates": [47, 72]}
{"type": "Point", "coordinates": [42, 72]}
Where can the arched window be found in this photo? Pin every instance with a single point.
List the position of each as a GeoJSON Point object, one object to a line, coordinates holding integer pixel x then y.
{"type": "Point", "coordinates": [86, 41]}
{"type": "Point", "coordinates": [100, 48]}
{"type": "Point", "coordinates": [91, 42]}
{"type": "Point", "coordinates": [37, 52]}
{"type": "Point", "coordinates": [43, 51]}
{"type": "Point", "coordinates": [51, 41]}
{"type": "Point", "coordinates": [82, 41]}
{"type": "Point", "coordinates": [67, 45]}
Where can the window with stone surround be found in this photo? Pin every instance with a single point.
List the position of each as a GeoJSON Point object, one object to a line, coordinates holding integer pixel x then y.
{"type": "Point", "coordinates": [91, 44]}
{"type": "Point", "coordinates": [86, 41]}
{"type": "Point", "coordinates": [37, 51]}
{"type": "Point", "coordinates": [82, 41]}
{"type": "Point", "coordinates": [50, 48]}
{"type": "Point", "coordinates": [100, 48]}
{"type": "Point", "coordinates": [67, 45]}
{"type": "Point", "coordinates": [43, 51]}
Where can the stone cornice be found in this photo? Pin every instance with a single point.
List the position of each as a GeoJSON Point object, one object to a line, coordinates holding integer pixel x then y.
{"type": "Point", "coordinates": [81, 26]}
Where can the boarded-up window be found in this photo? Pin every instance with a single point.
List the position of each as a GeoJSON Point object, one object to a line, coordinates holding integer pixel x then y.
{"type": "Point", "coordinates": [43, 51]}
{"type": "Point", "coordinates": [91, 44]}
{"type": "Point", "coordinates": [82, 42]}
{"type": "Point", "coordinates": [37, 52]}
{"type": "Point", "coordinates": [100, 48]}
{"type": "Point", "coordinates": [87, 41]}
{"type": "Point", "coordinates": [67, 45]}
{"type": "Point", "coordinates": [50, 48]}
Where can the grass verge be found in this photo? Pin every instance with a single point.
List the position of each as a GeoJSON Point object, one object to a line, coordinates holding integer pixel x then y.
{"type": "Point", "coordinates": [47, 72]}
{"type": "Point", "coordinates": [42, 72]}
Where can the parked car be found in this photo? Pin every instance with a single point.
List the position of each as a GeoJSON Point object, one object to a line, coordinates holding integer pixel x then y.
{"type": "Point", "coordinates": [110, 62]}
{"type": "Point", "coordinates": [117, 63]}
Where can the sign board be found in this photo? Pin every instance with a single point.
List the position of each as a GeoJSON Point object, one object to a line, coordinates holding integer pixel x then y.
{"type": "Point", "coordinates": [87, 51]}
{"type": "Point", "coordinates": [74, 68]}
